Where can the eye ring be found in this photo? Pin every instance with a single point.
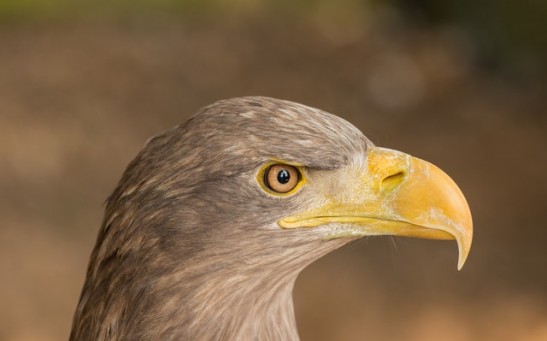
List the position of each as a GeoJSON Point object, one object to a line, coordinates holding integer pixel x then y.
{"type": "Point", "coordinates": [281, 178]}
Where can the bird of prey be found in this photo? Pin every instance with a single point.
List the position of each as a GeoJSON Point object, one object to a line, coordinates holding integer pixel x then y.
{"type": "Point", "coordinates": [211, 223]}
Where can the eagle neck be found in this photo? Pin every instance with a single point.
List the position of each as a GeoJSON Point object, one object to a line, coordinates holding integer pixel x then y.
{"type": "Point", "coordinates": [242, 307]}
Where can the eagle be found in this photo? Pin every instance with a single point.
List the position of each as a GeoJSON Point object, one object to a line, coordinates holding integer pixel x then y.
{"type": "Point", "coordinates": [211, 223]}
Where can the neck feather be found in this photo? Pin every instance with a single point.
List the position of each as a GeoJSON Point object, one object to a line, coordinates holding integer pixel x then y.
{"type": "Point", "coordinates": [215, 293]}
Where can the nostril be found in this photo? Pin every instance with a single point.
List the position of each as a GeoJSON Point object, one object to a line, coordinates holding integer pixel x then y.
{"type": "Point", "coordinates": [393, 180]}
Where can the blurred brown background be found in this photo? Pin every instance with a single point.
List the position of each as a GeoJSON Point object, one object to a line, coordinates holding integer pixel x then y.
{"type": "Point", "coordinates": [82, 86]}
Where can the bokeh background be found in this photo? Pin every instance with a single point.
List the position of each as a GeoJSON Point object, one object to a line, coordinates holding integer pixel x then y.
{"type": "Point", "coordinates": [459, 83]}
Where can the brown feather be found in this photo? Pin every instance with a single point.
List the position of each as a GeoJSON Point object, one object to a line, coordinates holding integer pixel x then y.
{"type": "Point", "coordinates": [189, 248]}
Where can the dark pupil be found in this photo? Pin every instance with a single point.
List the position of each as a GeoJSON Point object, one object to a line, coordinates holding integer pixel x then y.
{"type": "Point", "coordinates": [283, 176]}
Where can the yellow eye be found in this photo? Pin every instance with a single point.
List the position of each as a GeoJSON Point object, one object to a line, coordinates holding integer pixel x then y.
{"type": "Point", "coordinates": [281, 178]}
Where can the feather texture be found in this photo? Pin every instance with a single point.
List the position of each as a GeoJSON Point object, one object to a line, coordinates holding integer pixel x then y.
{"type": "Point", "coordinates": [190, 247]}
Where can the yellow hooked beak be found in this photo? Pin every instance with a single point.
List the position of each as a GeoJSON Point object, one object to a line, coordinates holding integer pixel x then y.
{"type": "Point", "coordinates": [394, 194]}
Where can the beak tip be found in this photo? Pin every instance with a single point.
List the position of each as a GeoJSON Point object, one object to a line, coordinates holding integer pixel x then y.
{"type": "Point", "coordinates": [463, 252]}
{"type": "Point", "coordinates": [460, 264]}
